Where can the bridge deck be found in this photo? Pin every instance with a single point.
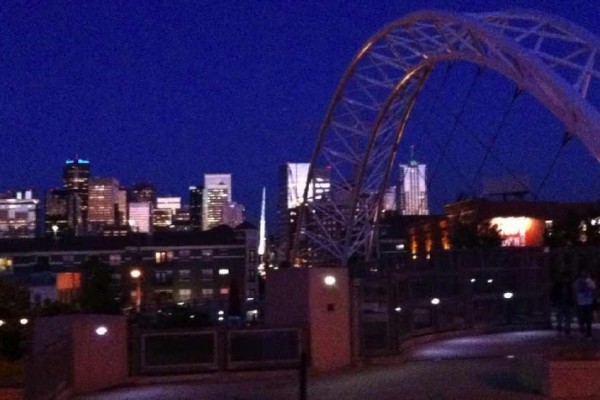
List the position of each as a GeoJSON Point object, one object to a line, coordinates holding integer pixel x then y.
{"type": "Point", "coordinates": [476, 367]}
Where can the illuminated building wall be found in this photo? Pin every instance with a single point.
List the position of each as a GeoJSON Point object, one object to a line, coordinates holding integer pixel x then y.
{"type": "Point", "coordinates": [233, 214]}
{"type": "Point", "coordinates": [140, 216]}
{"type": "Point", "coordinates": [413, 189]}
{"type": "Point", "coordinates": [293, 178]}
{"type": "Point", "coordinates": [103, 202]}
{"type": "Point", "coordinates": [217, 193]}
{"type": "Point", "coordinates": [18, 215]}
{"type": "Point", "coordinates": [76, 177]}
{"type": "Point", "coordinates": [170, 203]}
{"type": "Point", "coordinates": [63, 211]}
{"type": "Point", "coordinates": [389, 199]}
{"type": "Point", "coordinates": [520, 231]}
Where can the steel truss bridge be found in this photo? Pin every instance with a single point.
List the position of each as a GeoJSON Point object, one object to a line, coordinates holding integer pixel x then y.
{"type": "Point", "coordinates": [550, 58]}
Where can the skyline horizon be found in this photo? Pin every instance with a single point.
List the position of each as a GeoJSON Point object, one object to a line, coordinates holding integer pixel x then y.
{"type": "Point", "coordinates": [152, 88]}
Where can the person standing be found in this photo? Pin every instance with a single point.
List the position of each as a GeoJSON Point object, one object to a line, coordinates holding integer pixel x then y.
{"type": "Point", "coordinates": [585, 291]}
{"type": "Point", "coordinates": [563, 300]}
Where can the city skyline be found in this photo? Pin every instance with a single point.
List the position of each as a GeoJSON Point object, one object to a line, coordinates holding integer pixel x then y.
{"type": "Point", "coordinates": [175, 100]}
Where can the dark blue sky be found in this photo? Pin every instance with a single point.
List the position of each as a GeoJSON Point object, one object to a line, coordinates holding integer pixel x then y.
{"type": "Point", "coordinates": [166, 91]}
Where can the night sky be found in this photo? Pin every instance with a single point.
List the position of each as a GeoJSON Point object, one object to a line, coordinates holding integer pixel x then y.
{"type": "Point", "coordinates": [167, 91]}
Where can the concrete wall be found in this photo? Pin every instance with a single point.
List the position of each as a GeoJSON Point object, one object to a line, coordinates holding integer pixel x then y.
{"type": "Point", "coordinates": [329, 311]}
{"type": "Point", "coordinates": [69, 356]}
{"type": "Point", "coordinates": [100, 361]}
{"type": "Point", "coordinates": [287, 298]}
{"type": "Point", "coordinates": [300, 298]}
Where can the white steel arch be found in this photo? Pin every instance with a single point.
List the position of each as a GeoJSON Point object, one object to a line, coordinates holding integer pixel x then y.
{"type": "Point", "coordinates": [552, 59]}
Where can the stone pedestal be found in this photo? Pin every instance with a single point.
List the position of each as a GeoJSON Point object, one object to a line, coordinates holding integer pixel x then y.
{"type": "Point", "coordinates": [317, 300]}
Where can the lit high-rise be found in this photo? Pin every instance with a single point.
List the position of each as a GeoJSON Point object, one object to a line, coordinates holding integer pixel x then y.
{"type": "Point", "coordinates": [195, 207]}
{"type": "Point", "coordinates": [18, 215]}
{"type": "Point", "coordinates": [76, 177]}
{"type": "Point", "coordinates": [413, 189]}
{"type": "Point", "coordinates": [293, 178]}
{"type": "Point", "coordinates": [233, 214]}
{"type": "Point", "coordinates": [103, 202]}
{"type": "Point", "coordinates": [216, 194]}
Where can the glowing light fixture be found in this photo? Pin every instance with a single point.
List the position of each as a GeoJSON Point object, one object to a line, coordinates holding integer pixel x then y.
{"type": "Point", "coordinates": [101, 330]}
{"type": "Point", "coordinates": [23, 321]}
{"type": "Point", "coordinates": [135, 273]}
{"type": "Point", "coordinates": [435, 301]}
{"type": "Point", "coordinates": [490, 280]}
{"type": "Point", "coordinates": [398, 309]}
{"type": "Point", "coordinates": [508, 295]}
{"type": "Point", "coordinates": [329, 280]}
{"type": "Point", "coordinates": [2, 322]}
{"type": "Point", "coordinates": [473, 280]}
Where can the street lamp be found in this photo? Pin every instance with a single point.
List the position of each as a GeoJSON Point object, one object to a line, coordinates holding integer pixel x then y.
{"type": "Point", "coordinates": [55, 230]}
{"type": "Point", "coordinates": [136, 274]}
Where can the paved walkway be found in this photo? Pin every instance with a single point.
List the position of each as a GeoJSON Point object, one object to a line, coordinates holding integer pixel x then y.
{"type": "Point", "coordinates": [478, 367]}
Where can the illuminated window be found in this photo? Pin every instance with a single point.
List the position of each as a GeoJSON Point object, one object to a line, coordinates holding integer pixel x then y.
{"type": "Point", "coordinates": [6, 264]}
{"type": "Point", "coordinates": [207, 253]}
{"type": "Point", "coordinates": [224, 290]}
{"type": "Point", "coordinates": [163, 256]}
{"type": "Point", "coordinates": [207, 293]}
{"type": "Point", "coordinates": [224, 271]}
{"type": "Point", "coordinates": [185, 294]}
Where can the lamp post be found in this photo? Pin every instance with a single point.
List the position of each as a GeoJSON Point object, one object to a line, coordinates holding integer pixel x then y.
{"type": "Point", "coordinates": [136, 275]}
{"type": "Point", "coordinates": [55, 230]}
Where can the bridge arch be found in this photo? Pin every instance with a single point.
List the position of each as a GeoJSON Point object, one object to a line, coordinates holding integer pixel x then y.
{"type": "Point", "coordinates": [550, 58]}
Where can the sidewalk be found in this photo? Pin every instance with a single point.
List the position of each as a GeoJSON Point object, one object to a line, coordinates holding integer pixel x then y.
{"type": "Point", "coordinates": [476, 367]}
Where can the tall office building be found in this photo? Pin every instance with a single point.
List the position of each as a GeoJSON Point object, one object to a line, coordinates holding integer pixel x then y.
{"type": "Point", "coordinates": [169, 203]}
{"type": "Point", "coordinates": [103, 203]}
{"type": "Point", "coordinates": [293, 178]}
{"type": "Point", "coordinates": [233, 214]}
{"type": "Point", "coordinates": [216, 194]}
{"type": "Point", "coordinates": [413, 189]}
{"type": "Point", "coordinates": [76, 177]}
{"type": "Point", "coordinates": [63, 215]}
{"type": "Point", "coordinates": [18, 214]}
{"type": "Point", "coordinates": [195, 193]}
{"type": "Point", "coordinates": [122, 215]}
{"type": "Point", "coordinates": [140, 216]}
{"type": "Point", "coordinates": [141, 192]}
{"type": "Point", "coordinates": [389, 199]}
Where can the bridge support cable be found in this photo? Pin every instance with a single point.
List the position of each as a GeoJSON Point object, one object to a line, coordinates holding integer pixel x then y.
{"type": "Point", "coordinates": [516, 94]}
{"type": "Point", "coordinates": [566, 139]}
{"type": "Point", "coordinates": [350, 148]}
{"type": "Point", "coordinates": [457, 121]}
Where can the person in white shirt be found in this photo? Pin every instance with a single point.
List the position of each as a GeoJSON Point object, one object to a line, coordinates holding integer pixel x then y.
{"type": "Point", "coordinates": [585, 296]}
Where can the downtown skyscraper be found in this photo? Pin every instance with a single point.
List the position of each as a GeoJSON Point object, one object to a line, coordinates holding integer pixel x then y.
{"type": "Point", "coordinates": [76, 179]}
{"type": "Point", "coordinates": [413, 189]}
{"type": "Point", "coordinates": [216, 195]}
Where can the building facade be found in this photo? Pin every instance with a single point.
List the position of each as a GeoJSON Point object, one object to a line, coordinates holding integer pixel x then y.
{"type": "Point", "coordinates": [140, 216]}
{"type": "Point", "coordinates": [19, 214]}
{"type": "Point", "coordinates": [63, 216]}
{"type": "Point", "coordinates": [216, 194]}
{"type": "Point", "coordinates": [103, 203]}
{"type": "Point", "coordinates": [214, 271]}
{"type": "Point", "coordinates": [195, 198]}
{"type": "Point", "coordinates": [413, 189]}
{"type": "Point", "coordinates": [233, 214]}
{"type": "Point", "coordinates": [76, 177]}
